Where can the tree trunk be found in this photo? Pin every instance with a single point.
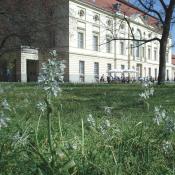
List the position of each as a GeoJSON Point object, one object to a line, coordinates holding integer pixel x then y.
{"type": "Point", "coordinates": [164, 41]}
{"type": "Point", "coordinates": [162, 61]}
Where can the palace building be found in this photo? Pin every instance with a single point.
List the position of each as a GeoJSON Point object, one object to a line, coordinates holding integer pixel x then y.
{"type": "Point", "coordinates": [92, 52]}
{"type": "Point", "coordinates": [96, 36]}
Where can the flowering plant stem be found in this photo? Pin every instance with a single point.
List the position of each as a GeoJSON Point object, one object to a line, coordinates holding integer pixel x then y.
{"type": "Point", "coordinates": [82, 144]}
{"type": "Point", "coordinates": [49, 127]}
{"type": "Point", "coordinates": [60, 128]}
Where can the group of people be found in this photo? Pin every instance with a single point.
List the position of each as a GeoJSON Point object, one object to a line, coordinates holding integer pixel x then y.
{"type": "Point", "coordinates": [108, 78]}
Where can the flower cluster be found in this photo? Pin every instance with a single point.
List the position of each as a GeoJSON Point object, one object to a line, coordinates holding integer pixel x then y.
{"type": "Point", "coordinates": [20, 139]}
{"type": "Point", "coordinates": [161, 117]}
{"type": "Point", "coordinates": [147, 93]}
{"type": "Point", "coordinates": [42, 106]}
{"type": "Point", "coordinates": [91, 121]}
{"type": "Point", "coordinates": [52, 75]}
{"type": "Point", "coordinates": [108, 110]}
{"type": "Point", "coordinates": [5, 105]}
{"type": "Point", "coordinates": [104, 126]}
{"type": "Point", "coordinates": [167, 147]}
{"type": "Point", "coordinates": [3, 120]}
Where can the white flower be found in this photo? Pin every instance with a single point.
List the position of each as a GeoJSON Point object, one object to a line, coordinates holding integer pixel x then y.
{"type": "Point", "coordinates": [5, 105]}
{"type": "Point", "coordinates": [108, 124]}
{"type": "Point", "coordinates": [147, 93]}
{"type": "Point", "coordinates": [75, 143]}
{"type": "Point", "coordinates": [42, 106]}
{"type": "Point", "coordinates": [52, 75]}
{"type": "Point", "coordinates": [20, 139]}
{"type": "Point", "coordinates": [151, 92]}
{"type": "Point", "coordinates": [91, 120]}
{"type": "Point", "coordinates": [105, 125]}
{"type": "Point", "coordinates": [53, 53]}
{"type": "Point", "coordinates": [167, 147]}
{"type": "Point", "coordinates": [3, 120]}
{"type": "Point", "coordinates": [108, 110]}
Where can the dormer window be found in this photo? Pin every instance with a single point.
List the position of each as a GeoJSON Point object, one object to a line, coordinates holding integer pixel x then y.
{"type": "Point", "coordinates": [81, 13]}
{"type": "Point", "coordinates": [117, 7]}
{"type": "Point", "coordinates": [145, 17]}
{"type": "Point", "coordinates": [96, 18]}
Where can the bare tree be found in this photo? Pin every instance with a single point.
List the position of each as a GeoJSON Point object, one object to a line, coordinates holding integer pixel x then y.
{"type": "Point", "coordinates": [164, 11]}
{"type": "Point", "coordinates": [31, 23]}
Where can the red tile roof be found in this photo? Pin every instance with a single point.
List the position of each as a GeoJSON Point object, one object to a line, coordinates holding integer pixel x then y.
{"type": "Point", "coordinates": [173, 59]}
{"type": "Point", "coordinates": [126, 8]}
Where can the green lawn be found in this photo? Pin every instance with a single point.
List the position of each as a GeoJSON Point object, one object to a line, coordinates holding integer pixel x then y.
{"type": "Point", "coordinates": [132, 144]}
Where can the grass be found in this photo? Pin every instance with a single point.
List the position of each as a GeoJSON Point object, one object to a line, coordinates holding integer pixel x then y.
{"type": "Point", "coordinates": [131, 145]}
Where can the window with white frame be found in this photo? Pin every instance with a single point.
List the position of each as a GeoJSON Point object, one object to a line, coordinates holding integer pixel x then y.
{"type": "Point", "coordinates": [144, 71]}
{"type": "Point", "coordinates": [149, 53]}
{"type": "Point", "coordinates": [149, 72]}
{"type": "Point", "coordinates": [122, 67]}
{"type": "Point", "coordinates": [167, 75]}
{"type": "Point", "coordinates": [109, 67]}
{"type": "Point", "coordinates": [167, 57]}
{"type": "Point", "coordinates": [96, 71]}
{"type": "Point", "coordinates": [95, 42]}
{"type": "Point", "coordinates": [122, 48]}
{"type": "Point", "coordinates": [155, 54]}
{"type": "Point", "coordinates": [108, 44]}
{"type": "Point", "coordinates": [131, 50]}
{"type": "Point", "coordinates": [82, 71]}
{"type": "Point", "coordinates": [155, 74]}
{"type": "Point", "coordinates": [137, 49]}
{"type": "Point", "coordinates": [143, 52]}
{"type": "Point", "coordinates": [81, 39]}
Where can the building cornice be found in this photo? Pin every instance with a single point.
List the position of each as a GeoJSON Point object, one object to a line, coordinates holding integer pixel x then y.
{"type": "Point", "coordinates": [112, 14]}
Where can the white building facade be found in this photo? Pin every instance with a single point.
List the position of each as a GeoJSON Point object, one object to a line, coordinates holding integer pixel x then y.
{"type": "Point", "coordinates": [92, 50]}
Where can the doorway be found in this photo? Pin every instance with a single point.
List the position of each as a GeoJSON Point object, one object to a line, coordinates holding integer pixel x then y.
{"type": "Point", "coordinates": [32, 70]}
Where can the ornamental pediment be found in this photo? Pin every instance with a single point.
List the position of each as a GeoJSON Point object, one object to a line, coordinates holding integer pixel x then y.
{"type": "Point", "coordinates": [139, 19]}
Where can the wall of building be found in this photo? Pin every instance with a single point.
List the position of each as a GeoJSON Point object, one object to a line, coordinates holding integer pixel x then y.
{"type": "Point", "coordinates": [74, 61]}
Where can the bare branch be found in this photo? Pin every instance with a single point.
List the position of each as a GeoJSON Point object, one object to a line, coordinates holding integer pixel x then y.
{"type": "Point", "coordinates": [163, 4]}
{"type": "Point", "coordinates": [150, 9]}
{"type": "Point", "coordinates": [129, 26]}
{"type": "Point", "coordinates": [144, 41]}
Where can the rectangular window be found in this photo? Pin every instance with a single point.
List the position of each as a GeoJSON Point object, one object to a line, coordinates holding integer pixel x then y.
{"type": "Point", "coordinates": [143, 52]}
{"type": "Point", "coordinates": [122, 67]}
{"type": "Point", "coordinates": [131, 50]}
{"type": "Point", "coordinates": [95, 42]}
{"type": "Point", "coordinates": [167, 57]}
{"type": "Point", "coordinates": [81, 71]}
{"type": "Point", "coordinates": [81, 39]}
{"type": "Point", "coordinates": [144, 71]}
{"type": "Point", "coordinates": [167, 75]}
{"type": "Point", "coordinates": [155, 74]}
{"type": "Point", "coordinates": [108, 45]}
{"type": "Point", "coordinates": [149, 53]}
{"type": "Point", "coordinates": [121, 48]}
{"type": "Point", "coordinates": [155, 54]}
{"type": "Point", "coordinates": [109, 67]}
{"type": "Point", "coordinates": [137, 49]}
{"type": "Point", "coordinates": [96, 71]}
{"type": "Point", "coordinates": [149, 72]}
